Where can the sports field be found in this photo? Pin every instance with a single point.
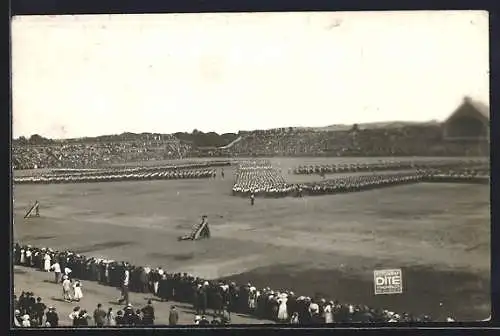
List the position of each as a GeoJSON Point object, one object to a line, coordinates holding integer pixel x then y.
{"type": "Point", "coordinates": [439, 234]}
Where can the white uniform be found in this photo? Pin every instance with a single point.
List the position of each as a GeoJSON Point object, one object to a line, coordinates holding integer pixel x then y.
{"type": "Point", "coordinates": [77, 287]}
{"type": "Point", "coordinates": [282, 310]}
{"type": "Point", "coordinates": [46, 265]}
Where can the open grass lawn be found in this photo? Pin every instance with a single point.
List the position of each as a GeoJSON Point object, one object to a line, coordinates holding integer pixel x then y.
{"type": "Point", "coordinates": [439, 234]}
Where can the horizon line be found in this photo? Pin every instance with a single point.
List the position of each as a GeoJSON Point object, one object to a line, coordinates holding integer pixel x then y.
{"type": "Point", "coordinates": [434, 121]}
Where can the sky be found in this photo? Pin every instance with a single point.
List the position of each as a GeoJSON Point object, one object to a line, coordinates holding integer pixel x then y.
{"type": "Point", "coordinates": [90, 75]}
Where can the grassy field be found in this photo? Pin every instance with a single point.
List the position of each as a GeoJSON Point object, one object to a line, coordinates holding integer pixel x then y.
{"type": "Point", "coordinates": [438, 234]}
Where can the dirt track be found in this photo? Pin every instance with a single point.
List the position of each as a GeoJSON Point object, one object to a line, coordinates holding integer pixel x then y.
{"type": "Point", "coordinates": [438, 234]}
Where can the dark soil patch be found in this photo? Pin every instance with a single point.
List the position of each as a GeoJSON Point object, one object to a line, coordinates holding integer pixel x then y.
{"type": "Point", "coordinates": [33, 237]}
{"type": "Point", "coordinates": [101, 246]}
{"type": "Point", "coordinates": [177, 257]}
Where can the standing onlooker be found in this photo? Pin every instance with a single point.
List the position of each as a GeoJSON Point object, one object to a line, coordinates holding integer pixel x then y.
{"type": "Point", "coordinates": [39, 310]}
{"type": "Point", "coordinates": [225, 316]}
{"type": "Point", "coordinates": [157, 277]}
{"type": "Point", "coordinates": [66, 287]}
{"type": "Point", "coordinates": [17, 318]}
{"type": "Point", "coordinates": [46, 262]}
{"type": "Point", "coordinates": [29, 259]}
{"type": "Point", "coordinates": [77, 289]}
{"type": "Point", "coordinates": [148, 314]}
{"type": "Point", "coordinates": [99, 316]}
{"type": "Point", "coordinates": [82, 320]}
{"type": "Point", "coordinates": [67, 272]}
{"type": "Point", "coordinates": [26, 321]}
{"type": "Point", "coordinates": [295, 318]}
{"type": "Point", "coordinates": [173, 316]}
{"type": "Point", "coordinates": [110, 318]}
{"type": "Point", "coordinates": [328, 312]}
{"type": "Point", "coordinates": [124, 285]}
{"type": "Point", "coordinates": [282, 309]}
{"type": "Point", "coordinates": [128, 315]}
{"type": "Point", "coordinates": [204, 321]}
{"type": "Point", "coordinates": [57, 271]}
{"type": "Point", "coordinates": [74, 315]}
{"type": "Point", "coordinates": [119, 318]}
{"type": "Point", "coordinates": [52, 317]}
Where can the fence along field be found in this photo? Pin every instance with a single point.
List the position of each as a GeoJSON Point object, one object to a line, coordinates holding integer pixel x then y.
{"type": "Point", "coordinates": [438, 234]}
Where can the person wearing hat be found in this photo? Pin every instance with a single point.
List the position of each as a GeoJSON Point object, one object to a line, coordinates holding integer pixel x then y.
{"type": "Point", "coordinates": [328, 312]}
{"type": "Point", "coordinates": [225, 316]}
{"type": "Point", "coordinates": [25, 321]}
{"type": "Point", "coordinates": [46, 262]}
{"type": "Point", "coordinates": [82, 320]}
{"type": "Point", "coordinates": [125, 285]}
{"type": "Point", "coordinates": [99, 316]}
{"type": "Point", "coordinates": [74, 315]}
{"type": "Point", "coordinates": [173, 316]}
{"type": "Point", "coordinates": [204, 321]}
{"type": "Point", "coordinates": [252, 299]}
{"type": "Point", "coordinates": [137, 318]}
{"type": "Point", "coordinates": [282, 309]}
{"type": "Point", "coordinates": [128, 314]}
{"type": "Point", "coordinates": [57, 271]}
{"type": "Point", "coordinates": [39, 310]}
{"type": "Point", "coordinates": [77, 290]}
{"type": "Point", "coordinates": [202, 298]}
{"type": "Point", "coordinates": [52, 317]}
{"type": "Point", "coordinates": [217, 300]}
{"type": "Point", "coordinates": [110, 318]}
{"type": "Point", "coordinates": [17, 318]}
{"type": "Point", "coordinates": [148, 314]}
{"type": "Point", "coordinates": [295, 318]}
{"type": "Point", "coordinates": [66, 287]}
{"type": "Point", "coordinates": [216, 321]}
{"type": "Point", "coordinates": [119, 318]}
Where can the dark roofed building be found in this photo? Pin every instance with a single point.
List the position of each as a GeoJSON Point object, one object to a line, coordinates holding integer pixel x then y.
{"type": "Point", "coordinates": [467, 130]}
{"type": "Point", "coordinates": [470, 121]}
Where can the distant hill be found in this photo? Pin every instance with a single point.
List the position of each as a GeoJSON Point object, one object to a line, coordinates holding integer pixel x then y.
{"type": "Point", "coordinates": [377, 125]}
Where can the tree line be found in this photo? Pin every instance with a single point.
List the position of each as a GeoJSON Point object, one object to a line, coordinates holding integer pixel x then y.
{"type": "Point", "coordinates": [195, 138]}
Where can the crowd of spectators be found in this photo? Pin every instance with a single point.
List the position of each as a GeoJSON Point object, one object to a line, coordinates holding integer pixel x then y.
{"type": "Point", "coordinates": [221, 297]}
{"type": "Point", "coordinates": [409, 140]}
{"type": "Point", "coordinates": [31, 312]}
{"type": "Point", "coordinates": [281, 142]}
{"type": "Point", "coordinates": [84, 154]}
